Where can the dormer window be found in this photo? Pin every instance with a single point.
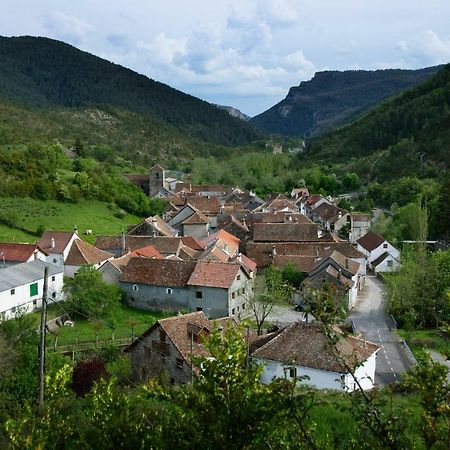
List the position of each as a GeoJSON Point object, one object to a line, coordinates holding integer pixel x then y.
{"type": "Point", "coordinates": [385, 245]}
{"type": "Point", "coordinates": [169, 291]}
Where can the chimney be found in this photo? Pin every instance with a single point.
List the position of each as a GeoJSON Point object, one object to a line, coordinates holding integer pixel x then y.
{"type": "Point", "coordinates": [239, 257]}
{"type": "Point", "coordinates": [52, 243]}
{"type": "Point", "coordinates": [122, 242]}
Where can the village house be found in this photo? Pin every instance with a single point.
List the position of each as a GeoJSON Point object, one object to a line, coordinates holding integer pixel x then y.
{"type": "Point", "coordinates": [360, 224]}
{"type": "Point", "coordinates": [152, 226]}
{"type": "Point", "coordinates": [189, 221]}
{"type": "Point", "coordinates": [57, 245]}
{"type": "Point", "coordinates": [309, 204]}
{"type": "Point", "coordinates": [80, 254]}
{"type": "Point", "coordinates": [166, 349]}
{"type": "Point", "coordinates": [12, 253]}
{"type": "Point", "coordinates": [302, 351]}
{"type": "Point", "coordinates": [21, 287]}
{"type": "Point", "coordinates": [218, 289]}
{"type": "Point", "coordinates": [381, 255]}
{"type": "Point", "coordinates": [330, 217]}
{"type": "Point", "coordinates": [339, 272]}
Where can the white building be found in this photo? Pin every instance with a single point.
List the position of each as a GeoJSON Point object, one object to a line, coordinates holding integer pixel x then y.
{"type": "Point", "coordinates": [381, 255]}
{"type": "Point", "coordinates": [57, 245]}
{"type": "Point", "coordinates": [302, 351]}
{"type": "Point", "coordinates": [21, 287]}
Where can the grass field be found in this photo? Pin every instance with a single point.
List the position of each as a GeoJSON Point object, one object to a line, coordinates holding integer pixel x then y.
{"type": "Point", "coordinates": [422, 340]}
{"type": "Point", "coordinates": [85, 330]}
{"type": "Point", "coordinates": [33, 215]}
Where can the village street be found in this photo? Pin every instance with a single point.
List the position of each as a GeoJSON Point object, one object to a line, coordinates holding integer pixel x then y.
{"type": "Point", "coordinates": [370, 319]}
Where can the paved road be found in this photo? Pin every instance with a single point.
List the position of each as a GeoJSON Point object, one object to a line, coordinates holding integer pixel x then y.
{"type": "Point", "coordinates": [370, 319]}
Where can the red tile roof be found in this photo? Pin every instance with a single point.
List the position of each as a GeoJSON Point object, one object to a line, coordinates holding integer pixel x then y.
{"type": "Point", "coordinates": [61, 239]}
{"type": "Point", "coordinates": [147, 252]}
{"type": "Point", "coordinates": [83, 253]}
{"type": "Point", "coordinates": [285, 232]}
{"type": "Point", "coordinates": [370, 241]}
{"type": "Point", "coordinates": [214, 274]}
{"type": "Point", "coordinates": [18, 252]}
{"type": "Point", "coordinates": [158, 272]}
{"type": "Point", "coordinates": [193, 243]}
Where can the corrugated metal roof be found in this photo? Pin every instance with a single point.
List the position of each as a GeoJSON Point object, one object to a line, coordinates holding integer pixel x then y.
{"type": "Point", "coordinates": [25, 273]}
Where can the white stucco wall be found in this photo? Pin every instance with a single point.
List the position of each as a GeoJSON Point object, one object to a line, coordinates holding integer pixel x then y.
{"type": "Point", "coordinates": [21, 299]}
{"type": "Point", "coordinates": [375, 253]}
{"type": "Point", "coordinates": [322, 379]}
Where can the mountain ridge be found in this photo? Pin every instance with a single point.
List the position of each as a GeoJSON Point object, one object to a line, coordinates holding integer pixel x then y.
{"type": "Point", "coordinates": [43, 73]}
{"type": "Point", "coordinates": [333, 98]}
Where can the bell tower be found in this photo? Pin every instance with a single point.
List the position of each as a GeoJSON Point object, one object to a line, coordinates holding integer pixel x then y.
{"type": "Point", "coordinates": [157, 178]}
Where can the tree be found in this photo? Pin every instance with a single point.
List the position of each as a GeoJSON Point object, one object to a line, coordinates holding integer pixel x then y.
{"type": "Point", "coordinates": [90, 295]}
{"type": "Point", "coordinates": [275, 290]}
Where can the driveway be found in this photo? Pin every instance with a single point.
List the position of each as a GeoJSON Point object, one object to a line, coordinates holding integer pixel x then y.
{"type": "Point", "coordinates": [370, 319]}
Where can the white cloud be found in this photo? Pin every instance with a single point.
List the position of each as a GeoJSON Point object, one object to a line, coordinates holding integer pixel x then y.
{"type": "Point", "coordinates": [425, 49]}
{"type": "Point", "coordinates": [66, 27]}
{"type": "Point", "coordinates": [277, 13]}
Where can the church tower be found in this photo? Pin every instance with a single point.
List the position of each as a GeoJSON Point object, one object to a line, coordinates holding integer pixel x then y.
{"type": "Point", "coordinates": [157, 178]}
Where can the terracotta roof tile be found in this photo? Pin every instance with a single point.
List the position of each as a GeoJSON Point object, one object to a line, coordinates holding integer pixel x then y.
{"type": "Point", "coordinates": [306, 345]}
{"type": "Point", "coordinates": [18, 252]}
{"type": "Point", "coordinates": [370, 241]}
{"type": "Point", "coordinates": [329, 213]}
{"type": "Point", "coordinates": [61, 238]}
{"type": "Point", "coordinates": [285, 232]}
{"type": "Point", "coordinates": [277, 217]}
{"type": "Point", "coordinates": [83, 253]}
{"type": "Point", "coordinates": [147, 252]}
{"type": "Point", "coordinates": [158, 272]}
{"type": "Point", "coordinates": [214, 274]}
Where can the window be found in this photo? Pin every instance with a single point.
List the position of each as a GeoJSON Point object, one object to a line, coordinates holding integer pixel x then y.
{"type": "Point", "coordinates": [162, 336]}
{"type": "Point", "coordinates": [349, 219]}
{"type": "Point", "coordinates": [199, 294]}
{"type": "Point", "coordinates": [238, 277]}
{"type": "Point", "coordinates": [243, 305]}
{"type": "Point", "coordinates": [179, 363]}
{"type": "Point", "coordinates": [390, 263]}
{"type": "Point", "coordinates": [13, 310]}
{"type": "Point", "coordinates": [55, 260]}
{"type": "Point", "coordinates": [243, 290]}
{"type": "Point", "coordinates": [53, 294]}
{"type": "Point", "coordinates": [135, 287]}
{"type": "Point", "coordinates": [233, 295]}
{"type": "Point", "coordinates": [33, 289]}
{"type": "Point", "coordinates": [13, 291]}
{"type": "Point", "coordinates": [53, 278]}
{"type": "Point", "coordinates": [131, 299]}
{"type": "Point", "coordinates": [199, 309]}
{"type": "Point", "coordinates": [385, 245]}
{"type": "Point", "coordinates": [169, 291]}
{"type": "Point", "coordinates": [233, 311]}
{"type": "Point", "coordinates": [292, 372]}
{"type": "Point", "coordinates": [34, 302]}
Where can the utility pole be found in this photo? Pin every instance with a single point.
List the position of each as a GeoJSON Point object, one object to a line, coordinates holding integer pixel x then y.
{"type": "Point", "coordinates": [42, 343]}
{"type": "Point", "coordinates": [421, 155]}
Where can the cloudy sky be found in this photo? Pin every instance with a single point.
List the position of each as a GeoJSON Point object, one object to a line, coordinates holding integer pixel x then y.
{"type": "Point", "coordinates": [243, 53]}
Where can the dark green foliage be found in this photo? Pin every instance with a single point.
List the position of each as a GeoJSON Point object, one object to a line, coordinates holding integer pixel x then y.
{"type": "Point", "coordinates": [334, 98]}
{"type": "Point", "coordinates": [418, 294]}
{"type": "Point", "coordinates": [90, 296]}
{"type": "Point", "coordinates": [387, 141]}
{"type": "Point", "coordinates": [292, 275]}
{"type": "Point", "coordinates": [43, 73]}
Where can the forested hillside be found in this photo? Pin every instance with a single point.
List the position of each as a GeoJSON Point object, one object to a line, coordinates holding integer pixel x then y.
{"type": "Point", "coordinates": [392, 138]}
{"type": "Point", "coordinates": [334, 98]}
{"type": "Point", "coordinates": [59, 89]}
